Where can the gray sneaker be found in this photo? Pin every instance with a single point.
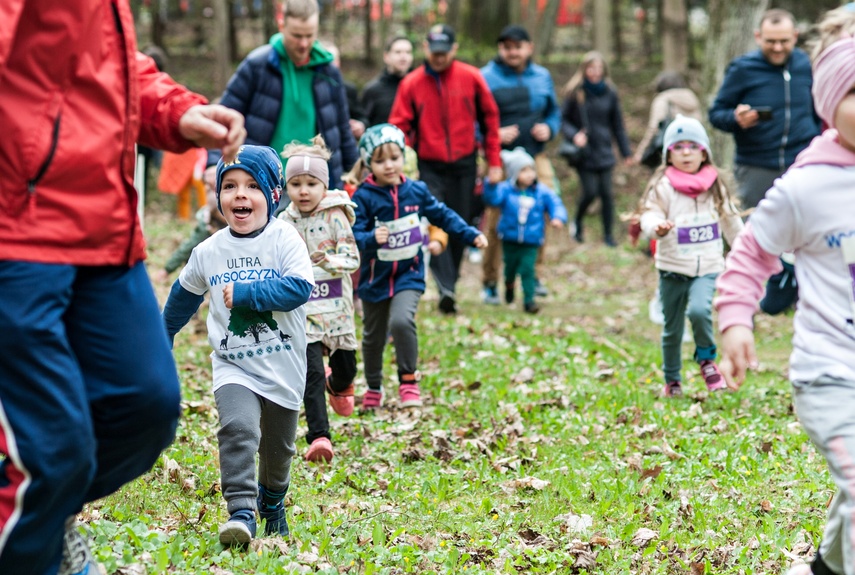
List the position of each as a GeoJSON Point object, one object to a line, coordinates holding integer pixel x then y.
{"type": "Point", "coordinates": [76, 556]}
{"type": "Point", "coordinates": [540, 289]}
{"type": "Point", "coordinates": [490, 295]}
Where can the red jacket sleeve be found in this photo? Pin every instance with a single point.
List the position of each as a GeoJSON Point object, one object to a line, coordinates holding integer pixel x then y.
{"type": "Point", "coordinates": [402, 109]}
{"type": "Point", "coordinates": [162, 103]}
{"type": "Point", "coordinates": [488, 118]}
{"type": "Point", "coordinates": [10, 14]}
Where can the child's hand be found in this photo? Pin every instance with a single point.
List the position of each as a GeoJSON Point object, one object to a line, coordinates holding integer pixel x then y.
{"type": "Point", "coordinates": [556, 223]}
{"type": "Point", "coordinates": [317, 257]}
{"type": "Point", "coordinates": [663, 228]}
{"type": "Point", "coordinates": [737, 355]}
{"type": "Point", "coordinates": [480, 242]}
{"type": "Point", "coordinates": [228, 295]}
{"type": "Point", "coordinates": [161, 276]}
{"type": "Point", "coordinates": [434, 247]}
{"type": "Point", "coordinates": [381, 234]}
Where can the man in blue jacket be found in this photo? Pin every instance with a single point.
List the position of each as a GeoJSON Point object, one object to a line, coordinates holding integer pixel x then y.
{"type": "Point", "coordinates": [765, 101]}
{"type": "Point", "coordinates": [290, 90]}
{"type": "Point", "coordinates": [529, 117]}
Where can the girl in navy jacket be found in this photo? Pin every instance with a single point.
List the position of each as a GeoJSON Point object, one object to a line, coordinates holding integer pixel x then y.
{"type": "Point", "coordinates": [389, 208]}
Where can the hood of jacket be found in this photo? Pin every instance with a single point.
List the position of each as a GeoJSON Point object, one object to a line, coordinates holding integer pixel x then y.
{"type": "Point", "coordinates": [332, 199]}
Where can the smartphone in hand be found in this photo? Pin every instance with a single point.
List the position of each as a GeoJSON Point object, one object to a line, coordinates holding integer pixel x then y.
{"type": "Point", "coordinates": [764, 113]}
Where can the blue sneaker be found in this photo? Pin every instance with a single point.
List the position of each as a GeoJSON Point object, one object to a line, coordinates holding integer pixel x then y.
{"type": "Point", "coordinates": [490, 295]}
{"type": "Point", "coordinates": [272, 516]}
{"type": "Point", "coordinates": [76, 556]}
{"type": "Point", "coordinates": [239, 529]}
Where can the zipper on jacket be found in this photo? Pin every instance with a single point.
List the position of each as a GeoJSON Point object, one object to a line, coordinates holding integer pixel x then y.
{"type": "Point", "coordinates": [782, 153]}
{"type": "Point", "coordinates": [54, 142]}
{"type": "Point", "coordinates": [394, 193]}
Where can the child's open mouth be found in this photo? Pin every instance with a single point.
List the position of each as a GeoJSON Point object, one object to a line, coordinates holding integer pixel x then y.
{"type": "Point", "coordinates": [242, 212]}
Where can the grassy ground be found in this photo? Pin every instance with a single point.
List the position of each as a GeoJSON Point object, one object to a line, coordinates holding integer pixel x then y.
{"type": "Point", "coordinates": [543, 447]}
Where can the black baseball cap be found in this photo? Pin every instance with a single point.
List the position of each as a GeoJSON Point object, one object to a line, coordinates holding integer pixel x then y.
{"type": "Point", "coordinates": [514, 32]}
{"type": "Point", "coordinates": [440, 38]}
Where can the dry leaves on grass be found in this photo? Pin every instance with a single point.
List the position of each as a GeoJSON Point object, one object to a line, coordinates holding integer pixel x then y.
{"type": "Point", "coordinates": [644, 536]}
{"type": "Point", "coordinates": [525, 483]}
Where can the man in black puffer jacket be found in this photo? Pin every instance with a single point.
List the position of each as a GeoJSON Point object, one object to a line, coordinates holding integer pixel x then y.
{"type": "Point", "coordinates": [290, 90]}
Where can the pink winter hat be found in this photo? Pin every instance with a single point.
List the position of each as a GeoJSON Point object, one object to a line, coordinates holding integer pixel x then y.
{"type": "Point", "coordinates": [833, 78]}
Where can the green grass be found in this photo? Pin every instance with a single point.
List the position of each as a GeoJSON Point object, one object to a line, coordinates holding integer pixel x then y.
{"type": "Point", "coordinates": [544, 447]}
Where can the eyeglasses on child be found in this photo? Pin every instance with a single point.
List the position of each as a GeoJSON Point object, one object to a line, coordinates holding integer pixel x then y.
{"type": "Point", "coordinates": [685, 147]}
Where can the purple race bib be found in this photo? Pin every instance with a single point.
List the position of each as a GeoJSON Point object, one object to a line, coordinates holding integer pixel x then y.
{"type": "Point", "coordinates": [326, 289]}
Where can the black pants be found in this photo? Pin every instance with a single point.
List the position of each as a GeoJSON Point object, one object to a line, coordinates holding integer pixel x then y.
{"type": "Point", "coordinates": [454, 184]}
{"type": "Point", "coordinates": [343, 366]}
{"type": "Point", "coordinates": [596, 184]}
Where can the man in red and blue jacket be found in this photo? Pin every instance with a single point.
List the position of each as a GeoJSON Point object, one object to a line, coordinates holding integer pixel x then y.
{"type": "Point", "coordinates": [89, 394]}
{"type": "Point", "coordinates": [438, 106]}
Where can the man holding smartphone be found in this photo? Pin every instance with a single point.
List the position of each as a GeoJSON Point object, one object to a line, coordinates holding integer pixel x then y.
{"type": "Point", "coordinates": [765, 101]}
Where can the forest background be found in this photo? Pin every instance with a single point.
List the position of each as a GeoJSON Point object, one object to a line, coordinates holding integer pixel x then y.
{"type": "Point", "coordinates": [544, 445]}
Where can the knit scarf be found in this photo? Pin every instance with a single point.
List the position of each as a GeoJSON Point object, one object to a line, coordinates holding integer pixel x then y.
{"type": "Point", "coordinates": [692, 185]}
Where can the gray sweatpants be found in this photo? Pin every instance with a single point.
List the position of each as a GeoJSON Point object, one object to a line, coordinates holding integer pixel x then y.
{"type": "Point", "coordinates": [251, 424]}
{"type": "Point", "coordinates": [752, 183]}
{"type": "Point", "coordinates": [398, 317]}
{"type": "Point", "coordinates": [826, 410]}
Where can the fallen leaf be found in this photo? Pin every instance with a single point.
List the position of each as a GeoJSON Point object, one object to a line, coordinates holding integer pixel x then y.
{"type": "Point", "coordinates": [644, 536]}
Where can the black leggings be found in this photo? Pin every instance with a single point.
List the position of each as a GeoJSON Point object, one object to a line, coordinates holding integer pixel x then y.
{"type": "Point", "coordinates": [596, 184]}
{"type": "Point", "coordinates": [343, 366]}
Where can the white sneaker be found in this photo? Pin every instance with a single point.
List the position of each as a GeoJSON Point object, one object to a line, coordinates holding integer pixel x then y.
{"type": "Point", "coordinates": [654, 310]}
{"type": "Point", "coordinates": [475, 256]}
{"type": "Point", "coordinates": [76, 556]}
{"type": "Point", "coordinates": [803, 569]}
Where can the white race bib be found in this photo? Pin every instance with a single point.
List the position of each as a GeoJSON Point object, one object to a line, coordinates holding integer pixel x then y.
{"type": "Point", "coordinates": [847, 248]}
{"type": "Point", "coordinates": [698, 235]}
{"type": "Point", "coordinates": [327, 294]}
{"type": "Point", "coordinates": [405, 239]}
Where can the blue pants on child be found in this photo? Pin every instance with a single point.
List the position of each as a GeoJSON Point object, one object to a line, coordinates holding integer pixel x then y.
{"type": "Point", "coordinates": [89, 397]}
{"type": "Point", "coordinates": [684, 296]}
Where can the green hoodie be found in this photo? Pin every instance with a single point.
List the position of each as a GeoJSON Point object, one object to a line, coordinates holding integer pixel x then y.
{"type": "Point", "coordinates": [297, 117]}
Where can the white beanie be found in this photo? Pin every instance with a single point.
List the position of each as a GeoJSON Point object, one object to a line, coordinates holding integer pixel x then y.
{"type": "Point", "coordinates": [685, 129]}
{"type": "Point", "coordinates": [515, 160]}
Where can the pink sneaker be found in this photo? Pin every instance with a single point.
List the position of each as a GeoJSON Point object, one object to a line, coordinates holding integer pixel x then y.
{"type": "Point", "coordinates": [320, 450]}
{"type": "Point", "coordinates": [672, 389]}
{"type": "Point", "coordinates": [341, 401]}
{"type": "Point", "coordinates": [712, 376]}
{"type": "Point", "coordinates": [372, 400]}
{"type": "Point", "coordinates": [409, 395]}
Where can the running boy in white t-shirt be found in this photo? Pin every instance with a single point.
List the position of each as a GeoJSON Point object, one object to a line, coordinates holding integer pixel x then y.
{"type": "Point", "coordinates": [259, 274]}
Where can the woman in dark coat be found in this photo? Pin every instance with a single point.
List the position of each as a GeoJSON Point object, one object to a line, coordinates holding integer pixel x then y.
{"type": "Point", "coordinates": [591, 118]}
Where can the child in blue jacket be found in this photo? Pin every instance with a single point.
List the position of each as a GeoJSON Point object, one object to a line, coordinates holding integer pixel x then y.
{"type": "Point", "coordinates": [525, 204]}
{"type": "Point", "coordinates": [389, 208]}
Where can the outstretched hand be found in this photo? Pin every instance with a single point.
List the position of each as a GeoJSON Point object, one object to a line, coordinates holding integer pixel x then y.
{"type": "Point", "coordinates": [214, 126]}
{"type": "Point", "coordinates": [480, 242]}
{"type": "Point", "coordinates": [737, 355]}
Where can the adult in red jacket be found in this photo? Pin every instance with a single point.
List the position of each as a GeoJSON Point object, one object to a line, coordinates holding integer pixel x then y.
{"type": "Point", "coordinates": [89, 393]}
{"type": "Point", "coordinates": [438, 106]}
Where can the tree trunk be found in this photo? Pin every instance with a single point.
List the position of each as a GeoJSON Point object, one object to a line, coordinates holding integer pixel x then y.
{"type": "Point", "coordinates": [546, 27]}
{"type": "Point", "coordinates": [224, 56]}
{"type": "Point", "coordinates": [644, 30]}
{"type": "Point", "coordinates": [603, 29]}
{"type": "Point", "coordinates": [368, 54]}
{"type": "Point", "coordinates": [616, 30]}
{"type": "Point", "coordinates": [730, 34]}
{"type": "Point", "coordinates": [675, 35]}
{"type": "Point", "coordinates": [268, 18]}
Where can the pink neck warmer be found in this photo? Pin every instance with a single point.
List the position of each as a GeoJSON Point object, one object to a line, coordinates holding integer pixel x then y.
{"type": "Point", "coordinates": [693, 185]}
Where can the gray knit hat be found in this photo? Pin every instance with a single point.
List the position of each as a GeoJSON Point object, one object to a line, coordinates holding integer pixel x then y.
{"type": "Point", "coordinates": [685, 129]}
{"type": "Point", "coordinates": [515, 160]}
